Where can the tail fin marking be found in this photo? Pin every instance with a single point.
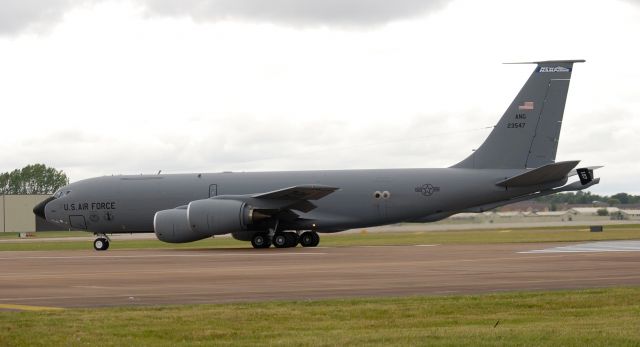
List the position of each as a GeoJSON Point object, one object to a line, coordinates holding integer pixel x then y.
{"type": "Point", "coordinates": [527, 134]}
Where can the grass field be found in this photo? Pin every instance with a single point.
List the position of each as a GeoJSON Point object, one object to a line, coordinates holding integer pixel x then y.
{"type": "Point", "coordinates": [45, 234]}
{"type": "Point", "coordinates": [545, 234]}
{"type": "Point", "coordinates": [601, 317]}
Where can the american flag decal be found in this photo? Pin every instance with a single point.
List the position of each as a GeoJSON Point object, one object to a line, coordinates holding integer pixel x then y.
{"type": "Point", "coordinates": [527, 105]}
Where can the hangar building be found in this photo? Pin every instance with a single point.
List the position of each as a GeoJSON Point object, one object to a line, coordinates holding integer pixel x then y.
{"type": "Point", "coordinates": [16, 214]}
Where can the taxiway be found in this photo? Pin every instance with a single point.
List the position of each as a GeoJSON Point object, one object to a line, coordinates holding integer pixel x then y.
{"type": "Point", "coordinates": [182, 276]}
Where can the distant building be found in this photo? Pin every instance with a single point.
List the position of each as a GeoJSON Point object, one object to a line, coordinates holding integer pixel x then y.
{"type": "Point", "coordinates": [464, 215]}
{"type": "Point", "coordinates": [574, 214]}
{"type": "Point", "coordinates": [630, 214]}
{"type": "Point", "coordinates": [551, 214]}
{"type": "Point", "coordinates": [592, 211]}
{"type": "Point", "coordinates": [16, 214]}
{"type": "Point", "coordinates": [510, 214]}
{"type": "Point", "coordinates": [529, 205]}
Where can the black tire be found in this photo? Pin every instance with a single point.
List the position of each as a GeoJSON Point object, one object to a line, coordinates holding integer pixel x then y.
{"type": "Point", "coordinates": [307, 239]}
{"type": "Point", "coordinates": [292, 239]}
{"type": "Point", "coordinates": [280, 240]}
{"type": "Point", "coordinates": [100, 244]}
{"type": "Point", "coordinates": [316, 239]}
{"type": "Point", "coordinates": [260, 240]}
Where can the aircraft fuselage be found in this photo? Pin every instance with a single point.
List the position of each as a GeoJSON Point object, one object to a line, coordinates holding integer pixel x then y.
{"type": "Point", "coordinates": [127, 204]}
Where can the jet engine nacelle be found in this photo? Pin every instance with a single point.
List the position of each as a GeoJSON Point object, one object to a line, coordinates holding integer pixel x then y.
{"type": "Point", "coordinates": [217, 217]}
{"type": "Point", "coordinates": [173, 226]}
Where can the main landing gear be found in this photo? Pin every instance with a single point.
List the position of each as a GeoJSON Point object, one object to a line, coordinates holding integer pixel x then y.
{"type": "Point", "coordinates": [101, 243]}
{"type": "Point", "coordinates": [261, 240]}
{"type": "Point", "coordinates": [285, 239]}
{"type": "Point", "coordinates": [309, 239]}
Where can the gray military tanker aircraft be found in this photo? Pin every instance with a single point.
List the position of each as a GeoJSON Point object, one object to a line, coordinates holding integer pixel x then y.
{"type": "Point", "coordinates": [515, 163]}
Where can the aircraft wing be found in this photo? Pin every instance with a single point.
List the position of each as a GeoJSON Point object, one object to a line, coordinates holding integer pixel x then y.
{"type": "Point", "coordinates": [302, 192]}
{"type": "Point", "coordinates": [279, 201]}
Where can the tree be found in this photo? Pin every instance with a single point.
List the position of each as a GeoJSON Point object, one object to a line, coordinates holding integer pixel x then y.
{"type": "Point", "coordinates": [622, 197]}
{"type": "Point", "coordinates": [32, 179]}
{"type": "Point", "coordinates": [603, 212]}
{"type": "Point", "coordinates": [613, 202]}
{"type": "Point", "coordinates": [589, 198]}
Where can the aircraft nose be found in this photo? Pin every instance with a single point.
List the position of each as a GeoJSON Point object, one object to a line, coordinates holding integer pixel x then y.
{"type": "Point", "coordinates": [38, 210]}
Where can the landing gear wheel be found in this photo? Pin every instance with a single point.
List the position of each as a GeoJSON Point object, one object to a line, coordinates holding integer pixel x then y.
{"type": "Point", "coordinates": [316, 239]}
{"type": "Point", "coordinates": [280, 240]}
{"type": "Point", "coordinates": [101, 244]}
{"type": "Point", "coordinates": [292, 239]}
{"type": "Point", "coordinates": [309, 239]}
{"type": "Point", "coordinates": [261, 240]}
{"type": "Point", "coordinates": [306, 239]}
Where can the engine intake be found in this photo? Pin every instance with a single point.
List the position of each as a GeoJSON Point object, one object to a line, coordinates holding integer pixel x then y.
{"type": "Point", "coordinates": [173, 226]}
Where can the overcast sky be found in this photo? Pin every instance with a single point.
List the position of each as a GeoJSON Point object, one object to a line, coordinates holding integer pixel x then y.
{"type": "Point", "coordinates": [101, 87]}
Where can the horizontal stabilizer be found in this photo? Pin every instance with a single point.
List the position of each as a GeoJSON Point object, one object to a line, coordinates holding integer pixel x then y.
{"type": "Point", "coordinates": [577, 186]}
{"type": "Point", "coordinates": [551, 61]}
{"type": "Point", "coordinates": [544, 174]}
{"type": "Point", "coordinates": [590, 168]}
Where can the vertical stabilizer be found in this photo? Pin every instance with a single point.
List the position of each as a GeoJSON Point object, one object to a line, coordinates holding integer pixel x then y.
{"type": "Point", "coordinates": [527, 134]}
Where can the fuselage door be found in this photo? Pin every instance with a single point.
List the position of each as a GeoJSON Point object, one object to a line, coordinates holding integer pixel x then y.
{"type": "Point", "coordinates": [77, 222]}
{"type": "Point", "coordinates": [213, 190]}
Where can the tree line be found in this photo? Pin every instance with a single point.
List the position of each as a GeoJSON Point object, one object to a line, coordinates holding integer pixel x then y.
{"type": "Point", "coordinates": [32, 179]}
{"type": "Point", "coordinates": [589, 198]}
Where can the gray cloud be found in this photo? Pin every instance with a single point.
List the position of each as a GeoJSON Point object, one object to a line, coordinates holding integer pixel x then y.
{"type": "Point", "coordinates": [297, 12]}
{"type": "Point", "coordinates": [17, 16]}
{"type": "Point", "coordinates": [20, 15]}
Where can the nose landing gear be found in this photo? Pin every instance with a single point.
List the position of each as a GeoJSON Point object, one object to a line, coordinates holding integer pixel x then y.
{"type": "Point", "coordinates": [101, 243]}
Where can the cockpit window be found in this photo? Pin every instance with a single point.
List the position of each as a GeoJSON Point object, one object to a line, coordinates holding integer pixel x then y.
{"type": "Point", "coordinates": [61, 193]}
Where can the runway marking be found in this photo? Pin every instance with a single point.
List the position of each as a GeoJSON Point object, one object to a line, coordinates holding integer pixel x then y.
{"type": "Point", "coordinates": [29, 307]}
{"type": "Point", "coordinates": [96, 287]}
{"type": "Point", "coordinates": [592, 247]}
{"type": "Point", "coordinates": [158, 255]}
{"type": "Point", "coordinates": [388, 246]}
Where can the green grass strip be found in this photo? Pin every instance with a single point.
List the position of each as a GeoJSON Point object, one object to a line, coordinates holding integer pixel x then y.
{"type": "Point", "coordinates": [599, 317]}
